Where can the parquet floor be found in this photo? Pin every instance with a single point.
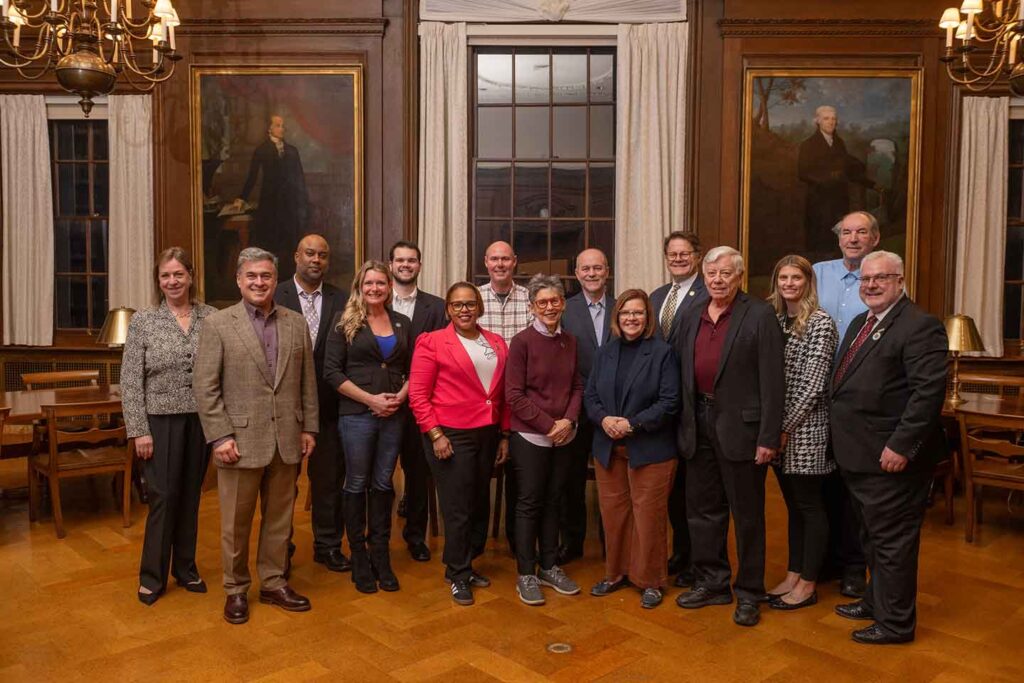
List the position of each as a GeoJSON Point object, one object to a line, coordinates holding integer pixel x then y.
{"type": "Point", "coordinates": [68, 612]}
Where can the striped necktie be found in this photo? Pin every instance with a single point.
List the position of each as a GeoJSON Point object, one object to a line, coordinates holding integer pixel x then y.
{"type": "Point", "coordinates": [310, 313]}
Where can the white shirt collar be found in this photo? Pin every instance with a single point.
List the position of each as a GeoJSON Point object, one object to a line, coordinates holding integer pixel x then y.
{"type": "Point", "coordinates": [828, 138]}
{"type": "Point", "coordinates": [411, 297]}
{"type": "Point", "coordinates": [300, 289]}
{"type": "Point", "coordinates": [685, 285]}
{"type": "Point", "coordinates": [543, 329]}
{"type": "Point", "coordinates": [592, 302]}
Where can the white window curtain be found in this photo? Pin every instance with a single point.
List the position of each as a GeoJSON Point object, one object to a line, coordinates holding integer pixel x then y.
{"type": "Point", "coordinates": [650, 187]}
{"type": "Point", "coordinates": [608, 11]}
{"type": "Point", "coordinates": [130, 130]}
{"type": "Point", "coordinates": [443, 195]}
{"type": "Point", "coordinates": [981, 216]}
{"type": "Point", "coordinates": [27, 221]}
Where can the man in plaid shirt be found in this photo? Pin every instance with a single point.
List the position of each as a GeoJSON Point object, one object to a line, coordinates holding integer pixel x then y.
{"type": "Point", "coordinates": [507, 313]}
{"type": "Point", "coordinates": [506, 304]}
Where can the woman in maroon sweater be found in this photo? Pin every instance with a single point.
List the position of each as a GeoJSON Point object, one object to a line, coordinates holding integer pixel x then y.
{"type": "Point", "coordinates": [544, 393]}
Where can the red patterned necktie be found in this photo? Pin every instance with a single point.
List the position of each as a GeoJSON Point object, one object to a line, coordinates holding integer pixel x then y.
{"type": "Point", "coordinates": [862, 337]}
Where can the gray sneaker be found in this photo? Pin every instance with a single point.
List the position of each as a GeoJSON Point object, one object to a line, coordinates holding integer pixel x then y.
{"type": "Point", "coordinates": [556, 578]}
{"type": "Point", "coordinates": [528, 589]}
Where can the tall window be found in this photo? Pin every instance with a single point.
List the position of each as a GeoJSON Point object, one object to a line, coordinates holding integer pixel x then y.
{"type": "Point", "coordinates": [543, 156]}
{"type": "Point", "coordinates": [80, 208]}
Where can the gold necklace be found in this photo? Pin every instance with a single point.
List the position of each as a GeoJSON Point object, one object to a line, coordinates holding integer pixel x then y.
{"type": "Point", "coordinates": [186, 314]}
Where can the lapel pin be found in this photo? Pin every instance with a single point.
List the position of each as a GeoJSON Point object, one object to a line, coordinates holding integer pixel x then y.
{"type": "Point", "coordinates": [878, 335]}
{"type": "Point", "coordinates": [692, 293]}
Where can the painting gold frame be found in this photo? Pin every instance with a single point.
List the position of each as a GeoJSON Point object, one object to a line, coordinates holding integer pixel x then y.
{"type": "Point", "coordinates": [913, 171]}
{"type": "Point", "coordinates": [197, 73]}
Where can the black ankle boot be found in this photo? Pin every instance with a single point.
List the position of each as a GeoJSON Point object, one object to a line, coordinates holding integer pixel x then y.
{"type": "Point", "coordinates": [355, 526]}
{"type": "Point", "coordinates": [380, 504]}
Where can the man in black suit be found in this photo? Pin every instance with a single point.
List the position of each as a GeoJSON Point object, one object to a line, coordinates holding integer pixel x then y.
{"type": "Point", "coordinates": [587, 317]}
{"type": "Point", "coordinates": [827, 169]}
{"type": "Point", "coordinates": [320, 303]}
{"type": "Point", "coordinates": [887, 393]}
{"type": "Point", "coordinates": [427, 314]}
{"type": "Point", "coordinates": [282, 212]}
{"type": "Point", "coordinates": [670, 301]}
{"type": "Point", "coordinates": [733, 379]}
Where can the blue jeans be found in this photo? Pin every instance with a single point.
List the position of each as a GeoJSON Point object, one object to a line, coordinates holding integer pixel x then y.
{"type": "Point", "coordinates": [371, 446]}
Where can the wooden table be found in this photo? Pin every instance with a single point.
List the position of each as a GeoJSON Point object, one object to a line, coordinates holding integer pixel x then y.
{"type": "Point", "coordinates": [988, 405]}
{"type": "Point", "coordinates": [27, 406]}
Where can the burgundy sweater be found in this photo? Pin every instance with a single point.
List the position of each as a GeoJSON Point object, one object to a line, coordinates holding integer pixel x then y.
{"type": "Point", "coordinates": [542, 382]}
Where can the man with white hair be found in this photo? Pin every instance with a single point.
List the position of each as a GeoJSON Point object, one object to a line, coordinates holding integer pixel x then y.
{"type": "Point", "coordinates": [731, 351]}
{"type": "Point", "coordinates": [827, 169]}
{"type": "Point", "coordinates": [887, 391]}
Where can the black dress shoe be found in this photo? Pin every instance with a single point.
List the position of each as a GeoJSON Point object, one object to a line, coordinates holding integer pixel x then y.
{"type": "Point", "coordinates": [780, 604]}
{"type": "Point", "coordinates": [605, 587]}
{"type": "Point", "coordinates": [285, 598]}
{"type": "Point", "coordinates": [461, 593]}
{"type": "Point", "coordinates": [333, 559]}
{"type": "Point", "coordinates": [677, 563]}
{"type": "Point", "coordinates": [149, 598]}
{"type": "Point", "coordinates": [567, 555]}
{"type": "Point", "coordinates": [196, 585]}
{"type": "Point", "coordinates": [853, 586]}
{"type": "Point", "coordinates": [876, 635]}
{"type": "Point", "coordinates": [475, 580]}
{"type": "Point", "coordinates": [651, 598]}
{"type": "Point", "coordinates": [236, 609]}
{"type": "Point", "coordinates": [747, 613]}
{"type": "Point", "coordinates": [702, 597]}
{"type": "Point", "coordinates": [854, 610]}
{"type": "Point", "coordinates": [684, 579]}
{"type": "Point", "coordinates": [419, 552]}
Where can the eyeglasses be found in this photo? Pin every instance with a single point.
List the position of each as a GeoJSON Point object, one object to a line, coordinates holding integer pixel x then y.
{"type": "Point", "coordinates": [675, 255]}
{"type": "Point", "coordinates": [462, 305]}
{"type": "Point", "coordinates": [880, 278]}
{"type": "Point", "coordinates": [632, 314]}
{"type": "Point", "coordinates": [544, 304]}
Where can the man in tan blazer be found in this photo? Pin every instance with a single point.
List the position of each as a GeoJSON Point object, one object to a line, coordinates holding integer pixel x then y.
{"type": "Point", "coordinates": [255, 387]}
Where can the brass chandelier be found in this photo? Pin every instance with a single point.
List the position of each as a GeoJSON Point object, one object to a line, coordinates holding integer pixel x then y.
{"type": "Point", "coordinates": [982, 44]}
{"type": "Point", "coordinates": [88, 44]}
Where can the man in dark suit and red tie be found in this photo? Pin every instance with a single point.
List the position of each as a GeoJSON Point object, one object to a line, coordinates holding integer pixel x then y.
{"type": "Point", "coordinates": [888, 388]}
{"type": "Point", "coordinates": [320, 302]}
{"type": "Point", "coordinates": [670, 301]}
{"type": "Point", "coordinates": [426, 312]}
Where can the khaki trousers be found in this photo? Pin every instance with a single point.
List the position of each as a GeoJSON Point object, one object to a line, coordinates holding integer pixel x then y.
{"type": "Point", "coordinates": [634, 511]}
{"type": "Point", "coordinates": [238, 490]}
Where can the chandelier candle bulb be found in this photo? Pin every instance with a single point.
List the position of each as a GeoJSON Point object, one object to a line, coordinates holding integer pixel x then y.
{"type": "Point", "coordinates": [113, 11]}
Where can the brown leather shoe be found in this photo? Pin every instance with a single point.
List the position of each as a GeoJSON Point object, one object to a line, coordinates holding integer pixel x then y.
{"type": "Point", "coordinates": [285, 598]}
{"type": "Point", "coordinates": [236, 609]}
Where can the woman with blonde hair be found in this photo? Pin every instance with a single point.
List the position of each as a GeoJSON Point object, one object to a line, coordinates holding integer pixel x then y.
{"type": "Point", "coordinates": [367, 361]}
{"type": "Point", "coordinates": [804, 461]}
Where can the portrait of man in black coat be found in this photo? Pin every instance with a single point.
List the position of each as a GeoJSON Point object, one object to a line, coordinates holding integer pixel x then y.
{"type": "Point", "coordinates": [282, 211]}
{"type": "Point", "coordinates": [827, 169]}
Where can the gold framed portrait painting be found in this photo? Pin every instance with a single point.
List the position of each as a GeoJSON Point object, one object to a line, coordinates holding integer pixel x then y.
{"type": "Point", "coordinates": [819, 143]}
{"type": "Point", "coordinates": [277, 152]}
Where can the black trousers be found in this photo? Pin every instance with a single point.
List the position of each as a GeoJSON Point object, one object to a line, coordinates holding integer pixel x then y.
{"type": "Point", "coordinates": [416, 471]}
{"type": "Point", "coordinates": [677, 515]}
{"type": "Point", "coordinates": [845, 555]}
{"type": "Point", "coordinates": [326, 470]}
{"type": "Point", "coordinates": [540, 473]}
{"type": "Point", "coordinates": [716, 486]}
{"type": "Point", "coordinates": [463, 484]}
{"type": "Point", "coordinates": [174, 476]}
{"type": "Point", "coordinates": [808, 523]}
{"type": "Point", "coordinates": [891, 507]}
{"type": "Point", "coordinates": [573, 515]}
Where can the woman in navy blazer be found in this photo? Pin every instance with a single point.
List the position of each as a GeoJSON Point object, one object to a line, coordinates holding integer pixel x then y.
{"type": "Point", "coordinates": [633, 395]}
{"type": "Point", "coordinates": [367, 361]}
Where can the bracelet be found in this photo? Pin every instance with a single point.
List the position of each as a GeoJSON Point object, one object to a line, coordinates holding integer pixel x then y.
{"type": "Point", "coordinates": [435, 433]}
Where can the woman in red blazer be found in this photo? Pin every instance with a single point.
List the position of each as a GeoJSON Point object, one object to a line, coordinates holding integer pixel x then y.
{"type": "Point", "coordinates": [457, 393]}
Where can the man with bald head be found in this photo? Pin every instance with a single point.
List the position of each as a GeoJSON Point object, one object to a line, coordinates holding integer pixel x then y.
{"type": "Point", "coordinates": [588, 318]}
{"type": "Point", "coordinates": [506, 313]}
{"type": "Point", "coordinates": [320, 303]}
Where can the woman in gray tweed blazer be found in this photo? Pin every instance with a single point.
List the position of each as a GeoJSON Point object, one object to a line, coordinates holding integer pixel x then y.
{"type": "Point", "coordinates": [811, 340]}
{"type": "Point", "coordinates": [161, 418]}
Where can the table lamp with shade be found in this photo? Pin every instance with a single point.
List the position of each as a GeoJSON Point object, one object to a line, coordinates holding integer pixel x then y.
{"type": "Point", "coordinates": [115, 328]}
{"type": "Point", "coordinates": [963, 338]}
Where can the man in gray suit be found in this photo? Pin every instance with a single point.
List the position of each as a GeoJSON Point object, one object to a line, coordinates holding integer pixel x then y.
{"type": "Point", "coordinates": [256, 392]}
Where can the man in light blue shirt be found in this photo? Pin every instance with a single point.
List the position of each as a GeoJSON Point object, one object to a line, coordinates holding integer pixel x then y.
{"type": "Point", "coordinates": [839, 280]}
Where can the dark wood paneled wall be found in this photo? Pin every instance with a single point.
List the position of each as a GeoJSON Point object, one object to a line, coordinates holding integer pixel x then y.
{"type": "Point", "coordinates": [732, 35]}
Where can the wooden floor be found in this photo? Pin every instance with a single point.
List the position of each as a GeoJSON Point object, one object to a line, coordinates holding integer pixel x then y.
{"type": "Point", "coordinates": [68, 612]}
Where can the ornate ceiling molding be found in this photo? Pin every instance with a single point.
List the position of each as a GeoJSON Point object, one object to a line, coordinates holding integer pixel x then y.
{"type": "Point", "coordinates": [812, 28]}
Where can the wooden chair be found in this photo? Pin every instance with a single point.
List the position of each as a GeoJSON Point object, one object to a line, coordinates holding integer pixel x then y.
{"type": "Point", "coordinates": [988, 461]}
{"type": "Point", "coordinates": [48, 380]}
{"type": "Point", "coordinates": [109, 451]}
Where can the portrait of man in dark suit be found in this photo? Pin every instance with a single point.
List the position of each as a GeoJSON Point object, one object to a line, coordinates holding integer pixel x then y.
{"type": "Point", "coordinates": [827, 169]}
{"type": "Point", "coordinates": [282, 210]}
